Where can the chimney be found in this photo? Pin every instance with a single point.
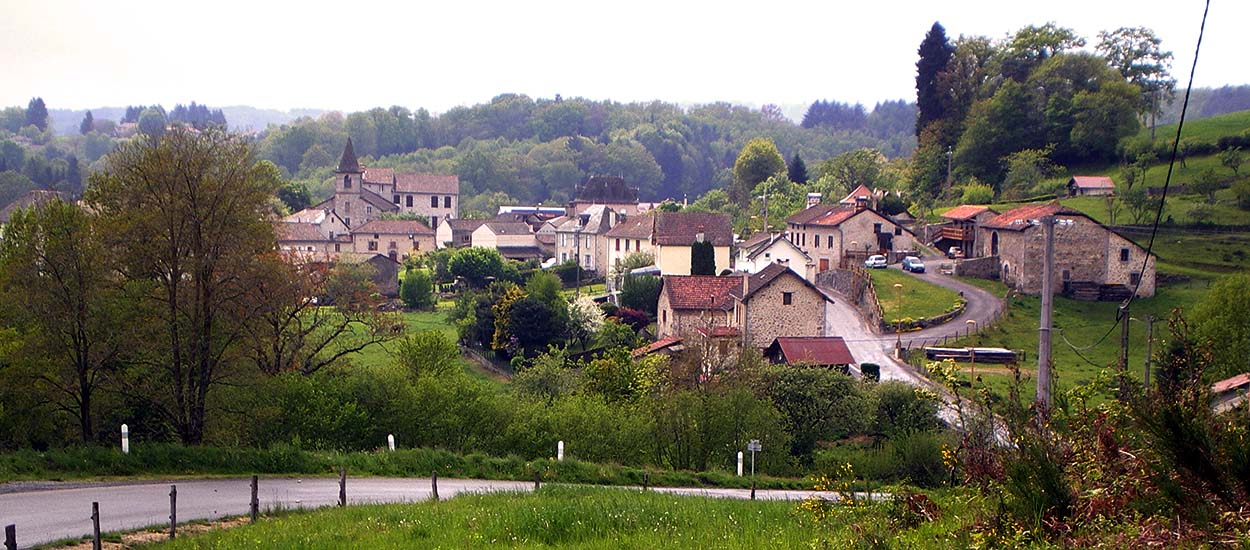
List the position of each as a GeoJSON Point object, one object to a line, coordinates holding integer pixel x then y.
{"type": "Point", "coordinates": [861, 203]}
{"type": "Point", "coordinates": [813, 199]}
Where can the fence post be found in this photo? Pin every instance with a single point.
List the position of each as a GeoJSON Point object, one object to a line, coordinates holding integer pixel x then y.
{"type": "Point", "coordinates": [10, 537]}
{"type": "Point", "coordinates": [255, 502]}
{"type": "Point", "coordinates": [173, 511]}
{"type": "Point", "coordinates": [537, 480]}
{"type": "Point", "coordinates": [434, 484]}
{"type": "Point", "coordinates": [752, 489]}
{"type": "Point", "coordinates": [646, 480]}
{"type": "Point", "coordinates": [342, 486]}
{"type": "Point", "coordinates": [95, 526]}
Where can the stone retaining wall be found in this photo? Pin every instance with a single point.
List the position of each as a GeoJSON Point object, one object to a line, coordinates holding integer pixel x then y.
{"type": "Point", "coordinates": [980, 268]}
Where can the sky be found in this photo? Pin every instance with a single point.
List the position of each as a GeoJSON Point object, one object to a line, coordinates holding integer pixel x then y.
{"type": "Point", "coordinates": [355, 55]}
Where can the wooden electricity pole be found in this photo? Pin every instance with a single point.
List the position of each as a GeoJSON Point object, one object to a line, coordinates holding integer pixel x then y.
{"type": "Point", "coordinates": [1150, 340]}
{"type": "Point", "coordinates": [1043, 330]}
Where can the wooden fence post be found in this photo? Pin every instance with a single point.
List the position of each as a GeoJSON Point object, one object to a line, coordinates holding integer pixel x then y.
{"type": "Point", "coordinates": [10, 537]}
{"type": "Point", "coordinates": [752, 488]}
{"type": "Point", "coordinates": [342, 486]}
{"type": "Point", "coordinates": [173, 511]}
{"type": "Point", "coordinates": [255, 502]}
{"type": "Point", "coordinates": [537, 480]}
{"type": "Point", "coordinates": [646, 480]}
{"type": "Point", "coordinates": [95, 526]}
{"type": "Point", "coordinates": [434, 484]}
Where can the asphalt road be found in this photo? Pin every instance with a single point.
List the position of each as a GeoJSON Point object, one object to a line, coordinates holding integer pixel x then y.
{"type": "Point", "coordinates": [45, 512]}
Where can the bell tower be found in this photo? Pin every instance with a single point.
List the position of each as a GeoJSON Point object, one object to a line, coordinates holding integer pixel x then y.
{"type": "Point", "coordinates": [348, 179]}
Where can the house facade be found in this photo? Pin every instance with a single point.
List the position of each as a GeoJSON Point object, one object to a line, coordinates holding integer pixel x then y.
{"type": "Point", "coordinates": [582, 237]}
{"type": "Point", "coordinates": [1089, 257]}
{"type": "Point", "coordinates": [960, 229]}
{"type": "Point", "coordinates": [765, 249]}
{"type": "Point", "coordinates": [837, 235]}
{"type": "Point", "coordinates": [514, 240]}
{"type": "Point", "coordinates": [395, 239]}
{"type": "Point", "coordinates": [674, 233]}
{"type": "Point", "coordinates": [456, 232]}
{"type": "Point", "coordinates": [631, 236]}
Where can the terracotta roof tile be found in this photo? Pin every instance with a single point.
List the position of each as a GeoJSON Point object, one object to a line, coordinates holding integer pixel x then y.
{"type": "Point", "coordinates": [636, 227]}
{"type": "Point", "coordinates": [1231, 383]}
{"type": "Point", "coordinates": [395, 227]}
{"type": "Point", "coordinates": [817, 350]}
{"type": "Point", "coordinates": [965, 212]}
{"type": "Point", "coordinates": [379, 175]}
{"type": "Point", "coordinates": [807, 215]}
{"type": "Point", "coordinates": [681, 228]}
{"type": "Point", "coordinates": [377, 201]}
{"type": "Point", "coordinates": [861, 191]}
{"type": "Point", "coordinates": [458, 224]}
{"type": "Point", "coordinates": [427, 183]}
{"type": "Point", "coordinates": [294, 231]}
{"type": "Point", "coordinates": [701, 291]}
{"type": "Point", "coordinates": [656, 346]}
{"type": "Point", "coordinates": [1017, 219]}
{"type": "Point", "coordinates": [836, 217]}
{"type": "Point", "coordinates": [34, 197]}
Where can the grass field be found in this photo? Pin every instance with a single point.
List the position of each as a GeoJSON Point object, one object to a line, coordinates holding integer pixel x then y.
{"type": "Point", "coordinates": [916, 300]}
{"type": "Point", "coordinates": [587, 518]}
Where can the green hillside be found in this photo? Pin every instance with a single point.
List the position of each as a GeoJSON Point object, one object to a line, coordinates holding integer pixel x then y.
{"type": "Point", "coordinates": [1206, 129]}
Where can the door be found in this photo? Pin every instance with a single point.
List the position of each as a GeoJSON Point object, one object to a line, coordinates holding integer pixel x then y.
{"type": "Point", "coordinates": [824, 264]}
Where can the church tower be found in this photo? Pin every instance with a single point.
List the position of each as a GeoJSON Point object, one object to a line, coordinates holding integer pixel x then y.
{"type": "Point", "coordinates": [348, 180]}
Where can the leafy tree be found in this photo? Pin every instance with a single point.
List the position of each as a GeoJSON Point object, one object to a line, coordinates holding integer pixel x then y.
{"type": "Point", "coordinates": [702, 258]}
{"type": "Point", "coordinates": [616, 333]}
{"type": "Point", "coordinates": [192, 213]}
{"type": "Point", "coordinates": [817, 404]}
{"type": "Point", "coordinates": [87, 125]}
{"type": "Point", "coordinates": [798, 170]}
{"type": "Point", "coordinates": [976, 192]}
{"type": "Point", "coordinates": [995, 128]}
{"type": "Point", "coordinates": [541, 326]}
{"type": "Point", "coordinates": [504, 337]}
{"type": "Point", "coordinates": [37, 114]}
{"type": "Point", "coordinates": [417, 289]}
{"type": "Point", "coordinates": [58, 288]}
{"type": "Point", "coordinates": [1025, 171]}
{"type": "Point", "coordinates": [295, 196]}
{"type": "Point", "coordinates": [1033, 45]}
{"type": "Point", "coordinates": [641, 292]}
{"type": "Point", "coordinates": [584, 318]}
{"type": "Point", "coordinates": [13, 185]}
{"type": "Point", "coordinates": [548, 378]}
{"type": "Point", "coordinates": [476, 265]}
{"type": "Point", "coordinates": [902, 409]}
{"type": "Point", "coordinates": [758, 161]}
{"type": "Point", "coordinates": [1241, 192]}
{"type": "Point", "coordinates": [853, 168]}
{"type": "Point", "coordinates": [835, 116]}
{"type": "Point", "coordinates": [1232, 159]}
{"type": "Point", "coordinates": [427, 353]}
{"type": "Point", "coordinates": [1136, 53]}
{"type": "Point", "coordinates": [1207, 183]}
{"type": "Point", "coordinates": [935, 53]}
{"type": "Point", "coordinates": [73, 174]}
{"type": "Point", "coordinates": [152, 122]}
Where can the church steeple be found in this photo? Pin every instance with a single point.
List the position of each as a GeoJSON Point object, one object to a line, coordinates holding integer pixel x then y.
{"type": "Point", "coordinates": [349, 164]}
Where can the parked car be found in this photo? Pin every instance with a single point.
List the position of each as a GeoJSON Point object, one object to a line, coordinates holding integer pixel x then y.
{"type": "Point", "coordinates": [913, 264]}
{"type": "Point", "coordinates": [875, 262]}
{"type": "Point", "coordinates": [954, 252]}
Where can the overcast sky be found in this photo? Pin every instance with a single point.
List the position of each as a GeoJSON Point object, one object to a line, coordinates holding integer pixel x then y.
{"type": "Point", "coordinates": [353, 55]}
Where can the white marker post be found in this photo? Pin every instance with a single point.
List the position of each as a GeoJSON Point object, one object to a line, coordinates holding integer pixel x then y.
{"type": "Point", "coordinates": [390, 442]}
{"type": "Point", "coordinates": [739, 463]}
{"type": "Point", "coordinates": [125, 439]}
{"type": "Point", "coordinates": [560, 450]}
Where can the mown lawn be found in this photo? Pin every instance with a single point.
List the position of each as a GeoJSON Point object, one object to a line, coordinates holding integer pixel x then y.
{"type": "Point", "coordinates": [590, 518]}
{"type": "Point", "coordinates": [917, 299]}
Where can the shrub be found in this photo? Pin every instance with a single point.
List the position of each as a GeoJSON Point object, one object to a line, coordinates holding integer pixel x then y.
{"type": "Point", "coordinates": [641, 292]}
{"type": "Point", "coordinates": [417, 289]}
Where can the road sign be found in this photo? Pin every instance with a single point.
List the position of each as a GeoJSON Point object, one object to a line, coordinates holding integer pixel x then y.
{"type": "Point", "coordinates": [754, 446]}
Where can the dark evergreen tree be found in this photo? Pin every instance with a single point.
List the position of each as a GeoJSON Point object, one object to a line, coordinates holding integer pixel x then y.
{"type": "Point", "coordinates": [935, 53]}
{"type": "Point", "coordinates": [797, 170]}
{"type": "Point", "coordinates": [88, 124]}
{"type": "Point", "coordinates": [37, 114]}
{"type": "Point", "coordinates": [73, 174]}
{"type": "Point", "coordinates": [702, 258]}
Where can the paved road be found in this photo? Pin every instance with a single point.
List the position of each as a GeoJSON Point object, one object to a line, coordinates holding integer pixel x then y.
{"type": "Point", "coordinates": [45, 512]}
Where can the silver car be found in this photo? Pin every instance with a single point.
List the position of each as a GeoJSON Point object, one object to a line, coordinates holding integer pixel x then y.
{"type": "Point", "coordinates": [876, 261]}
{"type": "Point", "coordinates": [913, 264]}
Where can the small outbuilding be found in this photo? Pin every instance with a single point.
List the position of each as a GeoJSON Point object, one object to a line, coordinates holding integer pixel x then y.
{"type": "Point", "coordinates": [1090, 186]}
{"type": "Point", "coordinates": [817, 351]}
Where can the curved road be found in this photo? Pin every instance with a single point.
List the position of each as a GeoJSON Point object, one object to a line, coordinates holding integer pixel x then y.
{"type": "Point", "coordinates": [48, 511]}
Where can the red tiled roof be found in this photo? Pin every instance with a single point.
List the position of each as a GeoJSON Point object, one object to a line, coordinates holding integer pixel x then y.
{"type": "Point", "coordinates": [701, 291]}
{"type": "Point", "coordinates": [32, 198]}
{"type": "Point", "coordinates": [635, 227]}
{"type": "Point", "coordinates": [379, 175]}
{"type": "Point", "coordinates": [681, 228]}
{"type": "Point", "coordinates": [755, 240]}
{"type": "Point", "coordinates": [377, 200]}
{"type": "Point", "coordinates": [806, 216]}
{"type": "Point", "coordinates": [1231, 383]}
{"type": "Point", "coordinates": [1092, 182]}
{"type": "Point", "coordinates": [395, 227]}
{"type": "Point", "coordinates": [427, 183]}
{"type": "Point", "coordinates": [295, 231]}
{"type": "Point", "coordinates": [836, 217]}
{"type": "Point", "coordinates": [655, 346]}
{"type": "Point", "coordinates": [964, 212]}
{"type": "Point", "coordinates": [1017, 219]}
{"type": "Point", "coordinates": [861, 191]}
{"type": "Point", "coordinates": [817, 350]}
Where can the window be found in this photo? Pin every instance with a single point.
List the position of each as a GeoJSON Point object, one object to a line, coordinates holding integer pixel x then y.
{"type": "Point", "coordinates": [446, 202]}
{"type": "Point", "coordinates": [587, 256]}
{"type": "Point", "coordinates": [627, 245]}
{"type": "Point", "coordinates": [586, 241]}
{"type": "Point", "coordinates": [816, 241]}
{"type": "Point", "coordinates": [408, 201]}
{"type": "Point", "coordinates": [664, 315]}
{"type": "Point", "coordinates": [1123, 254]}
{"type": "Point", "coordinates": [787, 298]}
{"type": "Point", "coordinates": [638, 245]}
{"type": "Point", "coordinates": [898, 230]}
{"type": "Point", "coordinates": [829, 241]}
{"type": "Point", "coordinates": [618, 244]}
{"type": "Point", "coordinates": [433, 202]}
{"type": "Point", "coordinates": [347, 182]}
{"type": "Point", "coordinates": [564, 257]}
{"type": "Point", "coordinates": [336, 247]}
{"type": "Point", "coordinates": [1134, 278]}
{"type": "Point", "coordinates": [368, 209]}
{"type": "Point", "coordinates": [347, 207]}
{"type": "Point", "coordinates": [373, 246]}
{"type": "Point", "coordinates": [434, 221]}
{"type": "Point", "coordinates": [396, 201]}
{"type": "Point", "coordinates": [876, 228]}
{"type": "Point", "coordinates": [392, 245]}
{"type": "Point", "coordinates": [994, 244]}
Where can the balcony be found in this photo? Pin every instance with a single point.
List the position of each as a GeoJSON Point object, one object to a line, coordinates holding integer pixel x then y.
{"type": "Point", "coordinates": [958, 233]}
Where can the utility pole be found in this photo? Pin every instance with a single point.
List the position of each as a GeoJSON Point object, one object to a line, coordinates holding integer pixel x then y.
{"type": "Point", "coordinates": [1150, 340]}
{"type": "Point", "coordinates": [1043, 336]}
{"type": "Point", "coordinates": [1124, 318]}
{"type": "Point", "coordinates": [577, 258]}
{"type": "Point", "coordinates": [949, 154]}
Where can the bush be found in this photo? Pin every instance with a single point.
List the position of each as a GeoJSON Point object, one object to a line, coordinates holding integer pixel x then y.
{"type": "Point", "coordinates": [417, 289]}
{"type": "Point", "coordinates": [642, 293]}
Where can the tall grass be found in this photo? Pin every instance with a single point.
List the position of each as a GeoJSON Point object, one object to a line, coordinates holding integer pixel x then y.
{"type": "Point", "coordinates": [177, 460]}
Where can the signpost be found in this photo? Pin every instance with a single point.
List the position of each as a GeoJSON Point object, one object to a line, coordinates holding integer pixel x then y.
{"type": "Point", "coordinates": [754, 446]}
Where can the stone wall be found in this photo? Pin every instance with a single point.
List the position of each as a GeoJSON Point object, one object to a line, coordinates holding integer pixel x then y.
{"type": "Point", "coordinates": [768, 316]}
{"type": "Point", "coordinates": [981, 268]}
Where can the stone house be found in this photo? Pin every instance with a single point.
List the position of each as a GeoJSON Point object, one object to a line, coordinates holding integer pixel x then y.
{"type": "Point", "coordinates": [675, 232]}
{"type": "Point", "coordinates": [304, 241]}
{"type": "Point", "coordinates": [609, 191]}
{"type": "Point", "coordinates": [513, 239]}
{"type": "Point", "coordinates": [456, 232]}
{"type": "Point", "coordinates": [631, 236]}
{"type": "Point", "coordinates": [1090, 186]}
{"type": "Point", "coordinates": [1091, 260]}
{"type": "Point", "coordinates": [761, 307]}
{"type": "Point", "coordinates": [364, 194]}
{"type": "Point", "coordinates": [582, 237]}
{"type": "Point", "coordinates": [836, 235]}
{"type": "Point", "coordinates": [395, 239]}
{"type": "Point", "coordinates": [960, 229]}
{"type": "Point", "coordinates": [765, 249]}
